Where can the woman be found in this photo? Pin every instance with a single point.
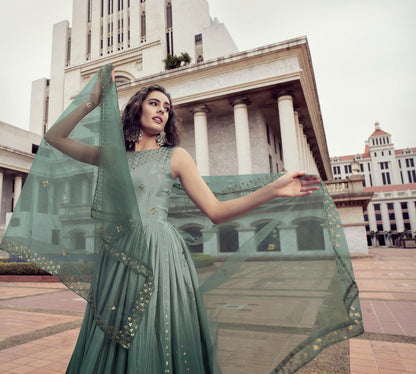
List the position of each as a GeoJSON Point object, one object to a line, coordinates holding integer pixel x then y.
{"type": "Point", "coordinates": [145, 312]}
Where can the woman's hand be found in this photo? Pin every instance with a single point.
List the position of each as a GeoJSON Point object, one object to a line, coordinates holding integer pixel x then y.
{"type": "Point", "coordinates": [295, 184]}
{"type": "Point", "coordinates": [99, 87]}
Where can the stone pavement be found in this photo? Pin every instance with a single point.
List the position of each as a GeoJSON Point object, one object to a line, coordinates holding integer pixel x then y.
{"type": "Point", "coordinates": [40, 322]}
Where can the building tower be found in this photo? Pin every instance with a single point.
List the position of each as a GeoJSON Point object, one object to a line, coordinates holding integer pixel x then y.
{"type": "Point", "coordinates": [133, 35]}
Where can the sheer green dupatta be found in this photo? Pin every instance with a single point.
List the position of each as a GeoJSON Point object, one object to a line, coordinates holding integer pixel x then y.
{"type": "Point", "coordinates": [288, 290]}
{"type": "Point", "coordinates": [81, 222]}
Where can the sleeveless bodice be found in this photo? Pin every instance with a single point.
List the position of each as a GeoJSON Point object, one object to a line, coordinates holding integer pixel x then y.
{"type": "Point", "coordinates": [152, 179]}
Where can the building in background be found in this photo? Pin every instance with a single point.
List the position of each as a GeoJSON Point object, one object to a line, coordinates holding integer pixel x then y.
{"type": "Point", "coordinates": [17, 151]}
{"type": "Point", "coordinates": [391, 175]}
{"type": "Point", "coordinates": [255, 111]}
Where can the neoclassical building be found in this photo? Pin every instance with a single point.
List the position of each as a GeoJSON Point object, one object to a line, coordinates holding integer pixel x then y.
{"type": "Point", "coordinates": [255, 111]}
{"type": "Point", "coordinates": [391, 175]}
{"type": "Point", "coordinates": [17, 151]}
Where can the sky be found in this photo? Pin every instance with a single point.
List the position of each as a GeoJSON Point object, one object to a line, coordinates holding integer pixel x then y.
{"type": "Point", "coordinates": [363, 54]}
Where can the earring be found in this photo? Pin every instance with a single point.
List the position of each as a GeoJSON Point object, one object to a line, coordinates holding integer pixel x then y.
{"type": "Point", "coordinates": [161, 139]}
{"type": "Point", "coordinates": [135, 137]}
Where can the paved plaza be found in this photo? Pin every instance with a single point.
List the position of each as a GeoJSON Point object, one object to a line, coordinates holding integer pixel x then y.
{"type": "Point", "coordinates": [40, 323]}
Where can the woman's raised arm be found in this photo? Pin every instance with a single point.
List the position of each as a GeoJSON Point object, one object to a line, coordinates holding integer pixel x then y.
{"type": "Point", "coordinates": [294, 184]}
{"type": "Point", "coordinates": [57, 136]}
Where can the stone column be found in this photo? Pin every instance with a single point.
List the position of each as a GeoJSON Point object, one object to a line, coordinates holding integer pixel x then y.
{"type": "Point", "coordinates": [412, 215]}
{"type": "Point", "coordinates": [399, 216]}
{"type": "Point", "coordinates": [288, 133]}
{"type": "Point", "coordinates": [201, 138]}
{"type": "Point", "coordinates": [84, 191]}
{"type": "Point", "coordinates": [106, 31]}
{"type": "Point", "coordinates": [95, 29]}
{"type": "Point", "coordinates": [125, 25]}
{"type": "Point", "coordinates": [288, 240]}
{"type": "Point", "coordinates": [17, 190]}
{"type": "Point", "coordinates": [385, 217]}
{"type": "Point", "coordinates": [1, 196]}
{"type": "Point", "coordinates": [242, 136]}
{"type": "Point", "coordinates": [299, 136]}
{"type": "Point", "coordinates": [211, 247]}
{"type": "Point", "coordinates": [244, 235]}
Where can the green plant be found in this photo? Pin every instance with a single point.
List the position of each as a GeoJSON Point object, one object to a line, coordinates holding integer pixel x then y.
{"type": "Point", "coordinates": [174, 62]}
{"type": "Point", "coordinates": [20, 268]}
{"type": "Point", "coordinates": [201, 260]}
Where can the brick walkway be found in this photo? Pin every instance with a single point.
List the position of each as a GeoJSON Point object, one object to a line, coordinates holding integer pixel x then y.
{"type": "Point", "coordinates": [40, 321]}
{"type": "Point", "coordinates": [387, 283]}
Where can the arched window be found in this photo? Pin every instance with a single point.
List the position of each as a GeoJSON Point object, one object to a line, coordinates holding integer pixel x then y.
{"type": "Point", "coordinates": [195, 234]}
{"type": "Point", "coordinates": [121, 80]}
{"type": "Point", "coordinates": [228, 238]}
{"type": "Point", "coordinates": [310, 235]}
{"type": "Point", "coordinates": [271, 243]}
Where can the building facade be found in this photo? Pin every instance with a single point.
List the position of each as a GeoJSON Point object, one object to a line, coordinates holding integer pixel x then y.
{"type": "Point", "coordinates": [134, 35]}
{"type": "Point", "coordinates": [17, 151]}
{"type": "Point", "coordinates": [247, 112]}
{"type": "Point", "coordinates": [391, 175]}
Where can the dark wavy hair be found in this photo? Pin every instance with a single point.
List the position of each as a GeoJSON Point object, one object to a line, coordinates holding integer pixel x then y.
{"type": "Point", "coordinates": [133, 111]}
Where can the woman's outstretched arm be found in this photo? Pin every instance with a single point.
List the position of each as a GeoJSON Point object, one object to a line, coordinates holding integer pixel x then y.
{"type": "Point", "coordinates": [292, 184]}
{"type": "Point", "coordinates": [57, 136]}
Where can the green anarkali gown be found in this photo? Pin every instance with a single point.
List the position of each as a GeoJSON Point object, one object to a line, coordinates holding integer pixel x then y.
{"type": "Point", "coordinates": [115, 235]}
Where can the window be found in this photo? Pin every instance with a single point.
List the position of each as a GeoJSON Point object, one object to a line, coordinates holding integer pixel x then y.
{"type": "Point", "coordinates": [376, 206]}
{"type": "Point", "coordinates": [89, 10]}
{"type": "Point", "coordinates": [110, 7]}
{"type": "Point", "coordinates": [400, 164]}
{"type": "Point", "coordinates": [375, 154]}
{"type": "Point", "coordinates": [347, 169]}
{"type": "Point", "coordinates": [270, 164]}
{"type": "Point", "coordinates": [407, 226]}
{"type": "Point", "coordinates": [275, 143]}
{"type": "Point", "coordinates": [405, 215]}
{"type": "Point", "coordinates": [361, 168]}
{"type": "Point", "coordinates": [392, 217]}
{"type": "Point", "coordinates": [228, 237]}
{"type": "Point", "coordinates": [384, 165]}
{"type": "Point", "coordinates": [55, 236]}
{"type": "Point", "coordinates": [169, 17]}
{"type": "Point", "coordinates": [310, 236]}
{"type": "Point", "coordinates": [379, 227]}
{"type": "Point", "coordinates": [386, 178]}
{"type": "Point", "coordinates": [411, 175]}
{"type": "Point", "coordinates": [366, 217]}
{"type": "Point", "coordinates": [403, 204]}
{"type": "Point", "coordinates": [196, 235]}
{"type": "Point", "coordinates": [272, 241]}
{"type": "Point", "coordinates": [371, 180]}
{"type": "Point", "coordinates": [378, 217]}
{"type": "Point", "coordinates": [198, 38]}
{"type": "Point", "coordinates": [143, 26]}
{"type": "Point", "coordinates": [410, 162]}
{"type": "Point", "coordinates": [401, 177]}
{"type": "Point", "coordinates": [393, 227]}
{"type": "Point", "coordinates": [368, 167]}
{"type": "Point", "coordinates": [390, 206]}
{"type": "Point", "coordinates": [268, 133]}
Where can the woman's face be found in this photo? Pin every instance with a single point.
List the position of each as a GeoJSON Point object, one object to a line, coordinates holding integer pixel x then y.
{"type": "Point", "coordinates": [155, 112]}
